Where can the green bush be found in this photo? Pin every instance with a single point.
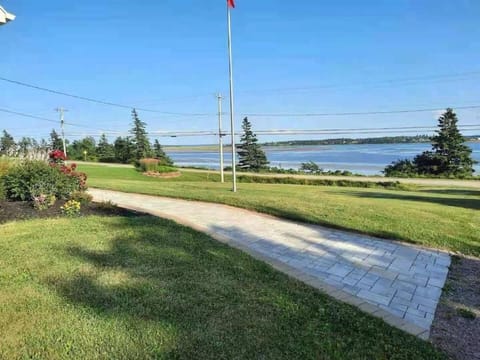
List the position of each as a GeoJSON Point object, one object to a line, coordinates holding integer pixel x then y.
{"type": "Point", "coordinates": [166, 169]}
{"type": "Point", "coordinates": [147, 165]}
{"type": "Point", "coordinates": [321, 182]}
{"type": "Point", "coordinates": [82, 197]}
{"type": "Point", "coordinates": [43, 195]}
{"type": "Point", "coordinates": [3, 193]}
{"type": "Point", "coordinates": [21, 180]}
{"type": "Point", "coordinates": [5, 165]}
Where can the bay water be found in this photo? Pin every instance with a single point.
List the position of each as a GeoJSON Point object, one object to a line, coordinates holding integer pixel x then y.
{"type": "Point", "coordinates": [365, 159]}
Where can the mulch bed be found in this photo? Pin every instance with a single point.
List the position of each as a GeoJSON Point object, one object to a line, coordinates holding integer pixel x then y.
{"type": "Point", "coordinates": [167, 175]}
{"type": "Point", "coordinates": [10, 211]}
{"type": "Point", "coordinates": [456, 328]}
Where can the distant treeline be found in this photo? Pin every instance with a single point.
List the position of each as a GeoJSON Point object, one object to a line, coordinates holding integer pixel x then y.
{"type": "Point", "coordinates": [349, 141]}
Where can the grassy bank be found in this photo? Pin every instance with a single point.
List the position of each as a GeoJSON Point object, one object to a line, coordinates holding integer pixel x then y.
{"type": "Point", "coordinates": [441, 218]}
{"type": "Point", "coordinates": [144, 288]}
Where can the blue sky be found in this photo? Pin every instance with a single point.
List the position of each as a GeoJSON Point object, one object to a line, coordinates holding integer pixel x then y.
{"type": "Point", "coordinates": [170, 55]}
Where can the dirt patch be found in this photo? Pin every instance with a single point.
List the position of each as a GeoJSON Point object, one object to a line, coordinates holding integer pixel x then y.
{"type": "Point", "coordinates": [10, 211]}
{"type": "Point", "coordinates": [167, 175]}
{"type": "Point", "coordinates": [456, 328]}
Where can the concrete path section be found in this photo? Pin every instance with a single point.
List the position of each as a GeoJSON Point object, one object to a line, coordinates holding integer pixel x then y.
{"type": "Point", "coordinates": [400, 283]}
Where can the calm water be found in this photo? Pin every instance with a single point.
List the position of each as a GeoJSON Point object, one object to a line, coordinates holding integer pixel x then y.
{"type": "Point", "coordinates": [362, 159]}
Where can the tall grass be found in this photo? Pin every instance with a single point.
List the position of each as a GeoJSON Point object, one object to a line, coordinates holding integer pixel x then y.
{"type": "Point", "coordinates": [5, 164]}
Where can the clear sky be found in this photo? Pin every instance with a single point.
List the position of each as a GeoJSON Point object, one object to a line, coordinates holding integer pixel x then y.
{"type": "Point", "coordinates": [171, 55]}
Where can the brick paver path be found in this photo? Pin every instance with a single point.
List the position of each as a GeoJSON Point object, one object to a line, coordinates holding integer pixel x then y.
{"type": "Point", "coordinates": [400, 283]}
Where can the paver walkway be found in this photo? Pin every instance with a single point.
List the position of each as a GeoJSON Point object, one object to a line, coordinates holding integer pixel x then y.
{"type": "Point", "coordinates": [400, 283]}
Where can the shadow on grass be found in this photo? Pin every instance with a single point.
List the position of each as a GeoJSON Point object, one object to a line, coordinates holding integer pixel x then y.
{"type": "Point", "coordinates": [223, 303]}
{"type": "Point", "coordinates": [464, 192]}
{"type": "Point", "coordinates": [302, 218]}
{"type": "Point", "coordinates": [467, 203]}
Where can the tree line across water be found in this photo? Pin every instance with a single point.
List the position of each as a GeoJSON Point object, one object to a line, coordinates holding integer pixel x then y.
{"type": "Point", "coordinates": [448, 157]}
{"type": "Point", "coordinates": [356, 141]}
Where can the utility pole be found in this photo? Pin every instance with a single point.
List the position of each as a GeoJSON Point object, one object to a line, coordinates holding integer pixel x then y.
{"type": "Point", "coordinates": [62, 122]}
{"type": "Point", "coordinates": [230, 3]}
{"type": "Point", "coordinates": [220, 136]}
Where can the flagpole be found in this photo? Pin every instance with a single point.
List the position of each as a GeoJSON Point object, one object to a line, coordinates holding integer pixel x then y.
{"type": "Point", "coordinates": [232, 125]}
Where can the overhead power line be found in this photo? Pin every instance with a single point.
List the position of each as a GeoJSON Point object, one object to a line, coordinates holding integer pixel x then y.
{"type": "Point", "coordinates": [381, 112]}
{"type": "Point", "coordinates": [279, 132]}
{"type": "Point", "coordinates": [41, 118]}
{"type": "Point", "coordinates": [405, 81]}
{"type": "Point", "coordinates": [102, 102]}
{"type": "Point", "coordinates": [450, 77]}
{"type": "Point", "coordinates": [28, 115]}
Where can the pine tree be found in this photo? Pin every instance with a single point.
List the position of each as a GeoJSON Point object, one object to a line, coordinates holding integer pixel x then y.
{"type": "Point", "coordinates": [55, 142]}
{"type": "Point", "coordinates": [140, 138]}
{"type": "Point", "coordinates": [25, 145]}
{"type": "Point", "coordinates": [159, 154]}
{"type": "Point", "coordinates": [124, 149]}
{"type": "Point", "coordinates": [449, 154]}
{"type": "Point", "coordinates": [7, 144]}
{"type": "Point", "coordinates": [105, 150]}
{"type": "Point", "coordinates": [251, 156]}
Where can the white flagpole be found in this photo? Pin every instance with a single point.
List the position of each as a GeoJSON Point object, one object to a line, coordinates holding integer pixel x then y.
{"type": "Point", "coordinates": [232, 125]}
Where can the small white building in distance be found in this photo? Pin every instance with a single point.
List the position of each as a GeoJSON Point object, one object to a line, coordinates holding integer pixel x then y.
{"type": "Point", "coordinates": [5, 16]}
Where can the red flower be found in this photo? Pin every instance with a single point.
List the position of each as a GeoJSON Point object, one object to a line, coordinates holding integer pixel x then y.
{"type": "Point", "coordinates": [57, 155]}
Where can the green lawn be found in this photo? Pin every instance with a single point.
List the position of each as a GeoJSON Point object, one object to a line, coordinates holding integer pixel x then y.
{"type": "Point", "coordinates": [441, 218]}
{"type": "Point", "coordinates": [144, 288]}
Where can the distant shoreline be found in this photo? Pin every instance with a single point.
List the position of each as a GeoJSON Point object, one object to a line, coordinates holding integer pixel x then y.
{"type": "Point", "coordinates": [294, 143]}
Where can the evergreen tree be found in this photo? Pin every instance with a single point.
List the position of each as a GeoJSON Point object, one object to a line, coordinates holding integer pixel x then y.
{"type": "Point", "coordinates": [43, 144]}
{"type": "Point", "coordinates": [142, 147]}
{"type": "Point", "coordinates": [124, 150]}
{"type": "Point", "coordinates": [76, 151]}
{"type": "Point", "coordinates": [251, 155]}
{"type": "Point", "coordinates": [159, 154]}
{"type": "Point", "coordinates": [56, 142]}
{"type": "Point", "coordinates": [7, 144]}
{"type": "Point", "coordinates": [26, 144]}
{"type": "Point", "coordinates": [449, 154]}
{"type": "Point", "coordinates": [310, 167]}
{"type": "Point", "coordinates": [105, 150]}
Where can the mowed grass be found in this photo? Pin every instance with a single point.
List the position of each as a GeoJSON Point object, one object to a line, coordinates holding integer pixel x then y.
{"type": "Point", "coordinates": [440, 218]}
{"type": "Point", "coordinates": [146, 288]}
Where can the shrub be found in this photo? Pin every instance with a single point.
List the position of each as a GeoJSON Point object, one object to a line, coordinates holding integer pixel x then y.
{"type": "Point", "coordinates": [166, 169]}
{"type": "Point", "coordinates": [21, 179]}
{"type": "Point", "coordinates": [106, 205]}
{"type": "Point", "coordinates": [321, 182]}
{"type": "Point", "coordinates": [5, 165]}
{"type": "Point", "coordinates": [401, 168]}
{"type": "Point", "coordinates": [82, 197]}
{"type": "Point", "coordinates": [310, 167]}
{"type": "Point", "coordinates": [154, 166]}
{"type": "Point", "coordinates": [148, 165]}
{"type": "Point", "coordinates": [3, 193]}
{"type": "Point", "coordinates": [43, 195]}
{"type": "Point", "coordinates": [71, 208]}
{"type": "Point", "coordinates": [80, 178]}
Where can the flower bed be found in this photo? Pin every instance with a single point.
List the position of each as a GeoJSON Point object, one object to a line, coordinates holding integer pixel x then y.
{"type": "Point", "coordinates": [165, 175]}
{"type": "Point", "coordinates": [42, 183]}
